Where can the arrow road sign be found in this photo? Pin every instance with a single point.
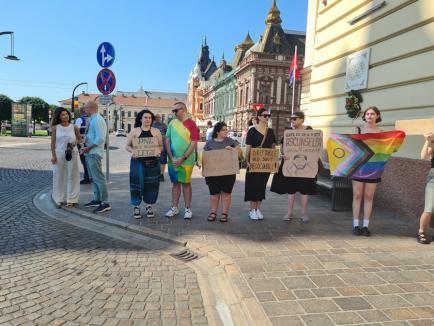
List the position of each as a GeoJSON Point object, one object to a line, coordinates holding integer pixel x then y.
{"type": "Point", "coordinates": [106, 81]}
{"type": "Point", "coordinates": [105, 55]}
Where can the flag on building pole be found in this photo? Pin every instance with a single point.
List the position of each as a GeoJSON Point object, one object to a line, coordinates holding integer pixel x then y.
{"type": "Point", "coordinates": [294, 74]}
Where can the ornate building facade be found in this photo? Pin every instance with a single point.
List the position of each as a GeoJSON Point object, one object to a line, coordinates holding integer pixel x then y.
{"type": "Point", "coordinates": [200, 74]}
{"type": "Point", "coordinates": [257, 77]}
{"type": "Point", "coordinates": [263, 74]}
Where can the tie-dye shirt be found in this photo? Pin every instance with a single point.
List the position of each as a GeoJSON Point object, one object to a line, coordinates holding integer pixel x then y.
{"type": "Point", "coordinates": [181, 134]}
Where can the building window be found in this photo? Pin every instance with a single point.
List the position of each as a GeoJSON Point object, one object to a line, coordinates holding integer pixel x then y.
{"type": "Point", "coordinates": [247, 94]}
{"type": "Point", "coordinates": [201, 107]}
{"type": "Point", "coordinates": [241, 97]}
{"type": "Point", "coordinates": [135, 114]}
{"type": "Point", "coordinates": [129, 114]}
{"type": "Point", "coordinates": [264, 93]}
{"type": "Point", "coordinates": [129, 127]}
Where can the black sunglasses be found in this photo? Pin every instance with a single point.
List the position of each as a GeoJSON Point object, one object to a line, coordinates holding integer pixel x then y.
{"type": "Point", "coordinates": [175, 111]}
{"type": "Point", "coordinates": [294, 118]}
{"type": "Point", "coordinates": [266, 115]}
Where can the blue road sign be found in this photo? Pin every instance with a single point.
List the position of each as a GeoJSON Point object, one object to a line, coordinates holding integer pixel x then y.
{"type": "Point", "coordinates": [106, 81]}
{"type": "Point", "coordinates": [105, 55]}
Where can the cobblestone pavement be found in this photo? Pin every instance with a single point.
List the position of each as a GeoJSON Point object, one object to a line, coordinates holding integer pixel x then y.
{"type": "Point", "coordinates": [316, 273]}
{"type": "Point", "coordinates": [52, 273]}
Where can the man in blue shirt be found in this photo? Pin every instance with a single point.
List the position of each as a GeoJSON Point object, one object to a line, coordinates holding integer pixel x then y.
{"type": "Point", "coordinates": [81, 123]}
{"type": "Point", "coordinates": [94, 149]}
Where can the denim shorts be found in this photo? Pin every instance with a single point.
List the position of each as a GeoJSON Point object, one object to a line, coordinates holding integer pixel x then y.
{"type": "Point", "coordinates": [429, 193]}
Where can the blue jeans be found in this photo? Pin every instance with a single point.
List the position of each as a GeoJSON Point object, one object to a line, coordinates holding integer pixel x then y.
{"type": "Point", "coordinates": [94, 166]}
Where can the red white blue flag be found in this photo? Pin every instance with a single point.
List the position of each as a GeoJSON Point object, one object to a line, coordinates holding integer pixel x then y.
{"type": "Point", "coordinates": [294, 73]}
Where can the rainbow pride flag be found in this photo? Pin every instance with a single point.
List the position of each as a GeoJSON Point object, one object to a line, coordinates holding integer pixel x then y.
{"type": "Point", "coordinates": [362, 156]}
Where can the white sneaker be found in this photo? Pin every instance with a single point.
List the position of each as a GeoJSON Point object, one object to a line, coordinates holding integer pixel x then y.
{"type": "Point", "coordinates": [188, 214]}
{"type": "Point", "coordinates": [136, 212]}
{"type": "Point", "coordinates": [172, 212]}
{"type": "Point", "coordinates": [305, 219]}
{"type": "Point", "coordinates": [253, 215]}
{"type": "Point", "coordinates": [287, 217]}
{"type": "Point", "coordinates": [149, 212]}
{"type": "Point", "coordinates": [259, 214]}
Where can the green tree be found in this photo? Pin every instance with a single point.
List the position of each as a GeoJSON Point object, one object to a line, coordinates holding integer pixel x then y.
{"type": "Point", "coordinates": [39, 109]}
{"type": "Point", "coordinates": [5, 108]}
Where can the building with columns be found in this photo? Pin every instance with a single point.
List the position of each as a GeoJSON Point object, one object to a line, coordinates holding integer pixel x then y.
{"type": "Point", "coordinates": [387, 48]}
{"type": "Point", "coordinates": [263, 74]}
{"type": "Point", "coordinates": [257, 76]}
{"type": "Point", "coordinates": [125, 106]}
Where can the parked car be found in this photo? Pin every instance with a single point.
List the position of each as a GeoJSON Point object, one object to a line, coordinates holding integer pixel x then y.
{"type": "Point", "coordinates": [121, 133]}
{"type": "Point", "coordinates": [236, 135]}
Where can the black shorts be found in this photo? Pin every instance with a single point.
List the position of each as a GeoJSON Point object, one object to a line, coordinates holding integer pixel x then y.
{"type": "Point", "coordinates": [367, 180]}
{"type": "Point", "coordinates": [224, 183]}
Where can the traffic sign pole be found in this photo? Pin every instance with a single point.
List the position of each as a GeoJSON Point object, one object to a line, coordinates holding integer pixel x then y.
{"type": "Point", "coordinates": [106, 83]}
{"type": "Point", "coordinates": [107, 152]}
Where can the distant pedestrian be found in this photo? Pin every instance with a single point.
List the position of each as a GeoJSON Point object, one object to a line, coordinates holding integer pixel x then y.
{"type": "Point", "coordinates": [160, 125]}
{"type": "Point", "coordinates": [181, 141]}
{"type": "Point", "coordinates": [209, 131]}
{"type": "Point", "coordinates": [258, 136]}
{"type": "Point", "coordinates": [95, 139]}
{"type": "Point", "coordinates": [427, 153]}
{"type": "Point", "coordinates": [144, 171]}
{"type": "Point", "coordinates": [81, 123]}
{"type": "Point", "coordinates": [220, 187]}
{"type": "Point", "coordinates": [64, 157]}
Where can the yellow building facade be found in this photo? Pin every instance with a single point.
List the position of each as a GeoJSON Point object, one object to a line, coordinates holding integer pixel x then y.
{"type": "Point", "coordinates": [398, 36]}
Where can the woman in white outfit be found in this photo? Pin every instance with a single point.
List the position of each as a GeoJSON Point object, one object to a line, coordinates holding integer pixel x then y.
{"type": "Point", "coordinates": [66, 176]}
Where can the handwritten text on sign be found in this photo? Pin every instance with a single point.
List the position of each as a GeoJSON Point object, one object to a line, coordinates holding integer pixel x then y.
{"type": "Point", "coordinates": [303, 147]}
{"type": "Point", "coordinates": [146, 147]}
{"type": "Point", "coordinates": [264, 160]}
{"type": "Point", "coordinates": [220, 162]}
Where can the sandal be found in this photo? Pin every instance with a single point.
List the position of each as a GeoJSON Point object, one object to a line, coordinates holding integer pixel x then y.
{"type": "Point", "coordinates": [212, 217]}
{"type": "Point", "coordinates": [224, 218]}
{"type": "Point", "coordinates": [421, 238]}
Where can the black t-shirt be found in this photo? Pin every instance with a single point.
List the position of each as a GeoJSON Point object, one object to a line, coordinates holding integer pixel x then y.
{"type": "Point", "coordinates": [432, 161]}
{"type": "Point", "coordinates": [254, 138]}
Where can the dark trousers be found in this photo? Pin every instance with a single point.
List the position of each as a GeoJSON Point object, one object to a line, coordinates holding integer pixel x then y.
{"type": "Point", "coordinates": [83, 162]}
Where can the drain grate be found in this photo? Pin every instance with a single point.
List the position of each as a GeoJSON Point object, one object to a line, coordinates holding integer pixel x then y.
{"type": "Point", "coordinates": [185, 255]}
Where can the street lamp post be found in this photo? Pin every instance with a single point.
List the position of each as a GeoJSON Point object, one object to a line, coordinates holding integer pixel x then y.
{"type": "Point", "coordinates": [11, 56]}
{"type": "Point", "coordinates": [72, 99]}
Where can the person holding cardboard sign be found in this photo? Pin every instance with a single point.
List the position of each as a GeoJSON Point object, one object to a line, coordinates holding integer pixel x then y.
{"type": "Point", "coordinates": [220, 186]}
{"type": "Point", "coordinates": [145, 143]}
{"type": "Point", "coordinates": [258, 136]}
{"type": "Point", "coordinates": [427, 153]}
{"type": "Point", "coordinates": [291, 185]}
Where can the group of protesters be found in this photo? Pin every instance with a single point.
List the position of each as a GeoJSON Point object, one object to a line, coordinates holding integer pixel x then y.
{"type": "Point", "coordinates": [177, 146]}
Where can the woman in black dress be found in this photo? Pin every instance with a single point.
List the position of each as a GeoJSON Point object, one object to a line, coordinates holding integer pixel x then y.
{"type": "Point", "coordinates": [291, 185]}
{"type": "Point", "coordinates": [258, 136]}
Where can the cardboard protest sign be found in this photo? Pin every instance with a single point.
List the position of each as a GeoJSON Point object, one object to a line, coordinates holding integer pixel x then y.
{"type": "Point", "coordinates": [304, 148]}
{"type": "Point", "coordinates": [264, 160]}
{"type": "Point", "coordinates": [220, 162]}
{"type": "Point", "coordinates": [146, 147]}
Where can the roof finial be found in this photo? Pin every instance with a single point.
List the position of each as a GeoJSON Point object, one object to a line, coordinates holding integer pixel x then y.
{"type": "Point", "coordinates": [273, 16]}
{"type": "Point", "coordinates": [205, 40]}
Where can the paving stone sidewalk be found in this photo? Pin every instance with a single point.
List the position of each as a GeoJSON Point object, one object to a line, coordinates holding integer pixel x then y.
{"type": "Point", "coordinates": [52, 273]}
{"type": "Point", "coordinates": [314, 273]}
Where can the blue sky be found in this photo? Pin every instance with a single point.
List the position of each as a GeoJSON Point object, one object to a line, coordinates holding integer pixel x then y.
{"type": "Point", "coordinates": [156, 42]}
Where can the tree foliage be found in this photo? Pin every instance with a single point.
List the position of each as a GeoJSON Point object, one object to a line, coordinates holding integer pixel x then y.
{"type": "Point", "coordinates": [5, 107]}
{"type": "Point", "coordinates": [39, 108]}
